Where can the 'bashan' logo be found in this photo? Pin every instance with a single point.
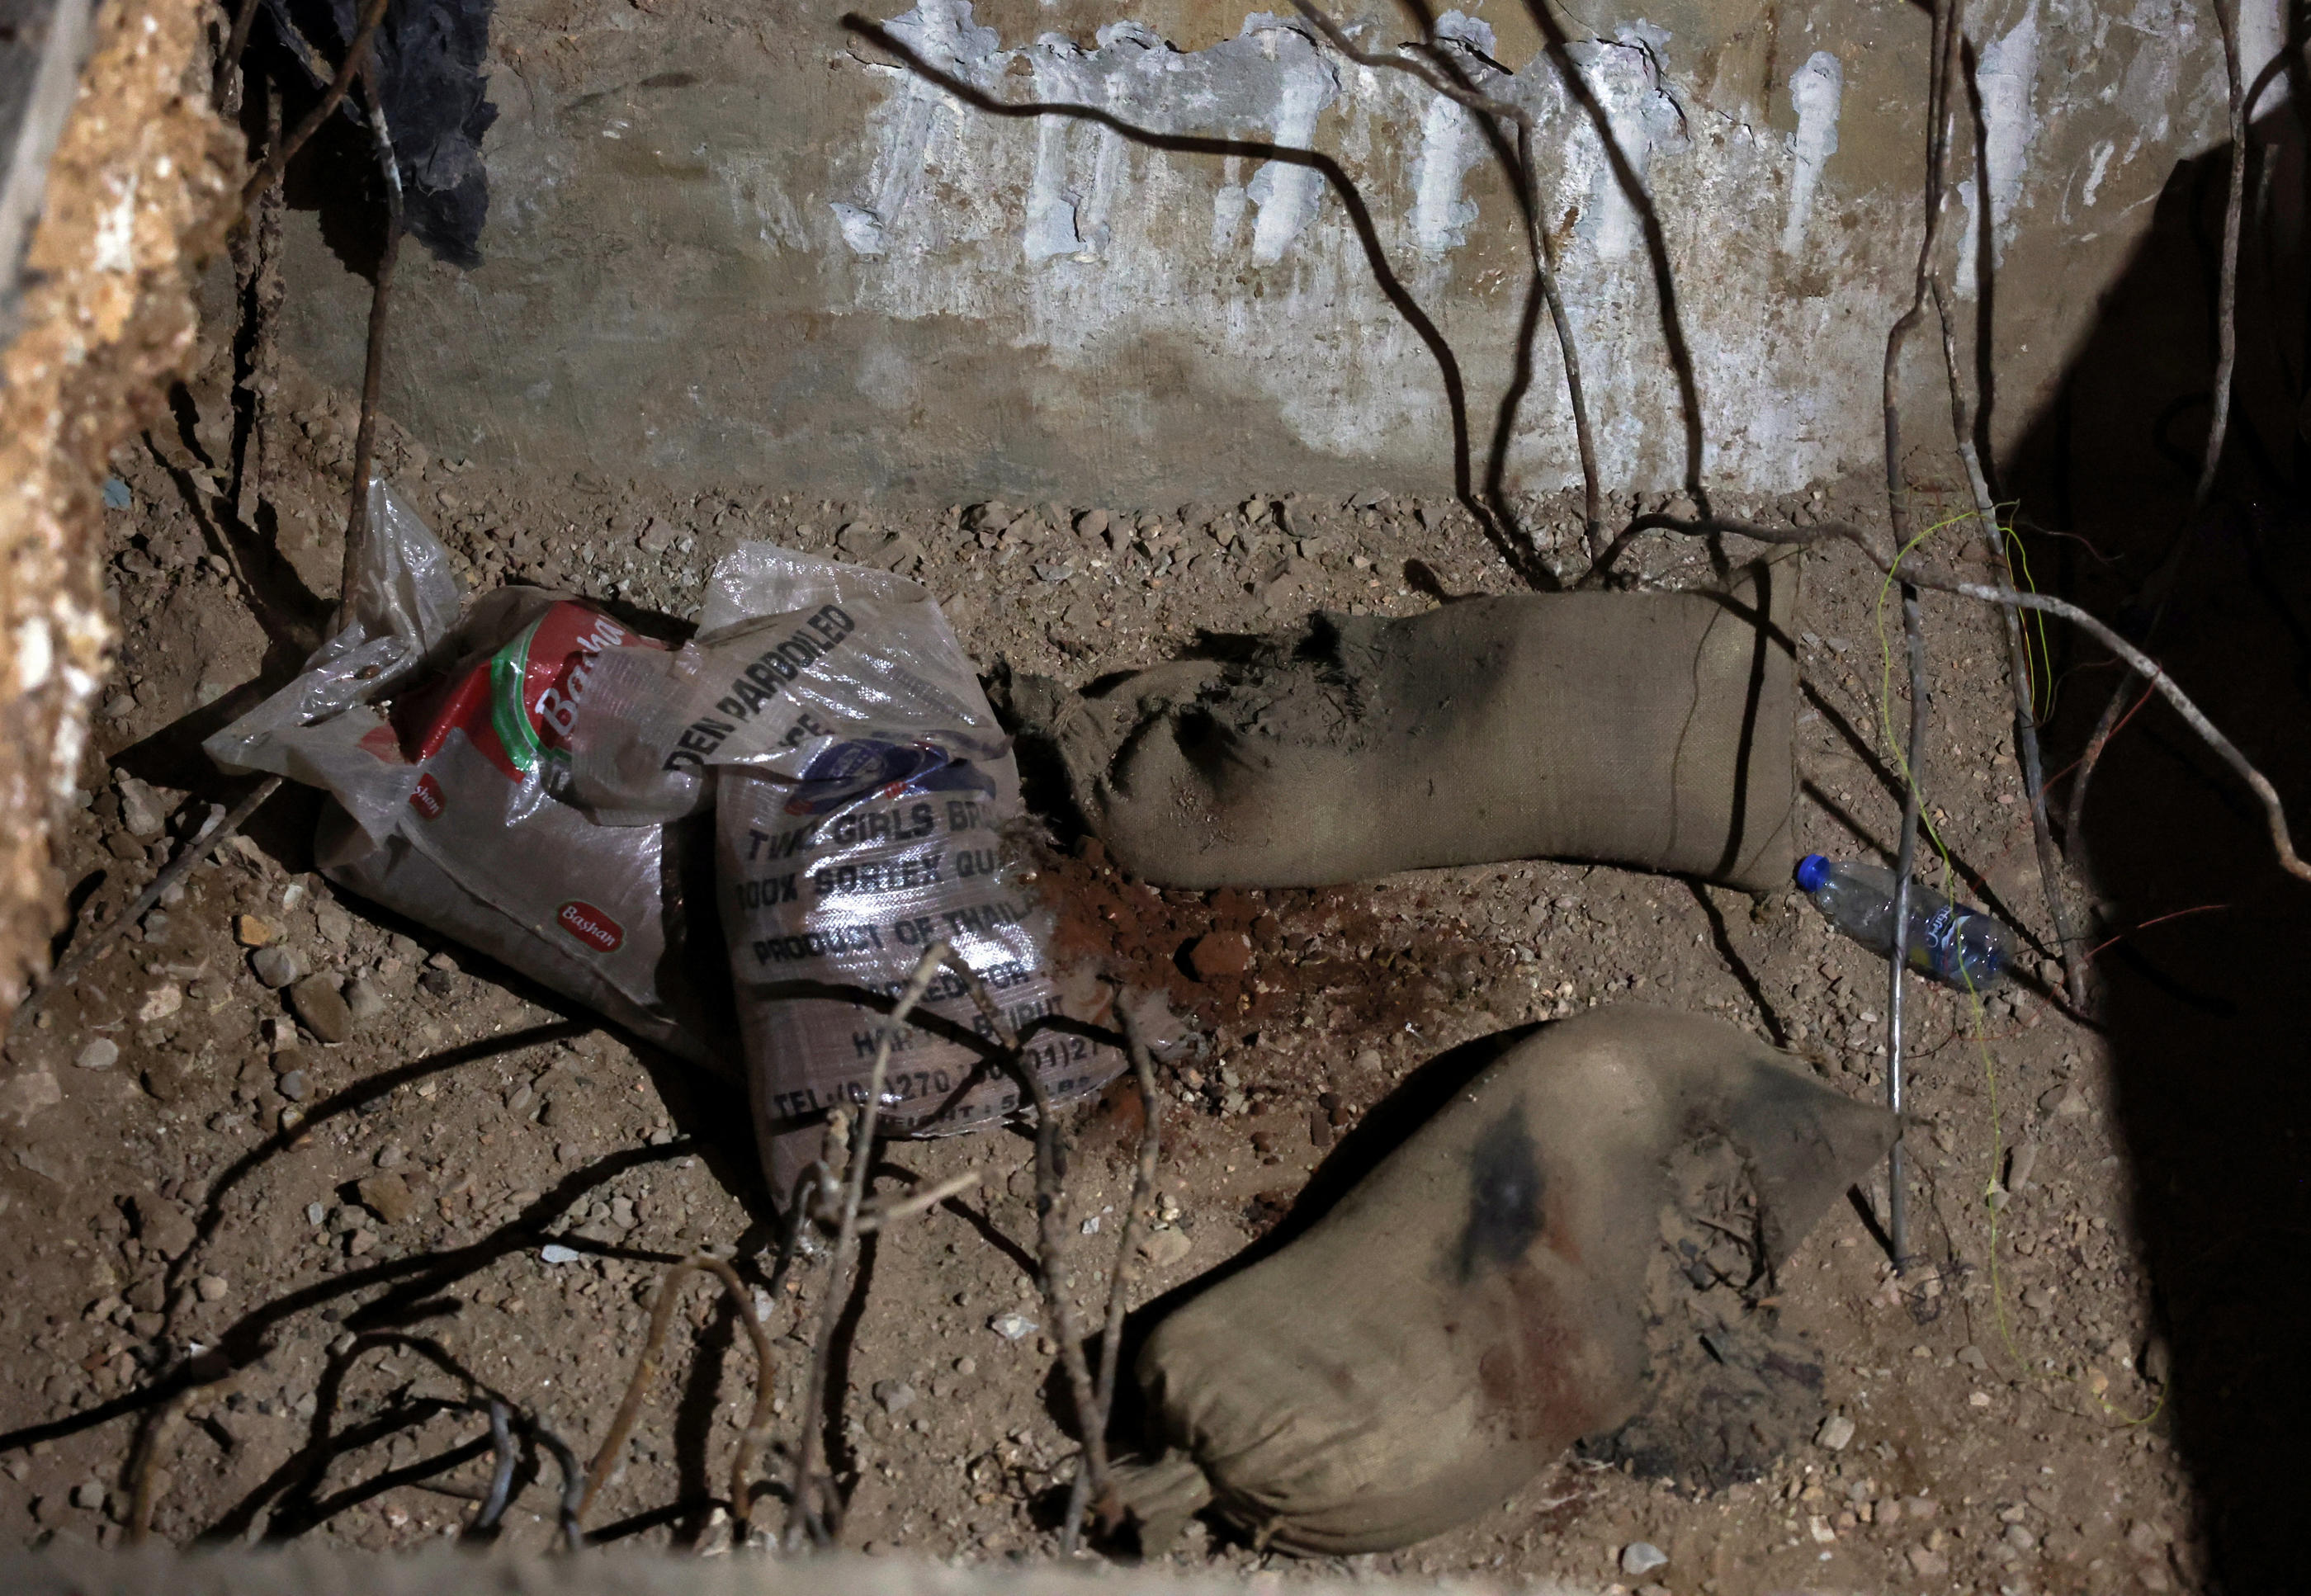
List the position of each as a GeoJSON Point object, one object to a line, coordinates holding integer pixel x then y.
{"type": "Point", "coordinates": [590, 926]}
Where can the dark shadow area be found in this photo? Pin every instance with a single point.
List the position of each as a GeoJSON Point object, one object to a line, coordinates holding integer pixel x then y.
{"type": "Point", "coordinates": [2209, 1048]}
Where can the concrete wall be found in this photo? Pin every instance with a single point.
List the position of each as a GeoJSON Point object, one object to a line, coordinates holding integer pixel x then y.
{"type": "Point", "coordinates": [732, 244]}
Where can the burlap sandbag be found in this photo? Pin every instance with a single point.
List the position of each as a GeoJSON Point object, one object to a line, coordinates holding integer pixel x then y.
{"type": "Point", "coordinates": [1641, 728]}
{"type": "Point", "coordinates": [1479, 1301]}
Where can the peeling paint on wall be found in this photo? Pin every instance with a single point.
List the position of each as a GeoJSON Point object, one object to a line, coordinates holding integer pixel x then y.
{"type": "Point", "coordinates": [1346, 374]}
{"type": "Point", "coordinates": [2005, 79]}
{"type": "Point", "coordinates": [1448, 146]}
{"type": "Point", "coordinates": [1814, 88]}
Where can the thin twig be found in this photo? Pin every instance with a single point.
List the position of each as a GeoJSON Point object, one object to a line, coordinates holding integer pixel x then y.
{"type": "Point", "coordinates": [94, 944]}
{"type": "Point", "coordinates": [2017, 669]}
{"type": "Point", "coordinates": [1946, 35]}
{"type": "Point", "coordinates": [750, 1439]}
{"type": "Point", "coordinates": [145, 1477]}
{"type": "Point", "coordinates": [1110, 1335]}
{"type": "Point", "coordinates": [931, 1196]}
{"type": "Point", "coordinates": [846, 1245]}
{"type": "Point", "coordinates": [1538, 241]}
{"type": "Point", "coordinates": [373, 370]}
{"type": "Point", "coordinates": [356, 56]}
{"type": "Point", "coordinates": [807, 1184]}
{"type": "Point", "coordinates": [1898, 1197]}
{"type": "Point", "coordinates": [2160, 590]}
{"type": "Point", "coordinates": [2274, 813]}
{"type": "Point", "coordinates": [1050, 1212]}
{"type": "Point", "coordinates": [256, 258]}
{"type": "Point", "coordinates": [226, 89]}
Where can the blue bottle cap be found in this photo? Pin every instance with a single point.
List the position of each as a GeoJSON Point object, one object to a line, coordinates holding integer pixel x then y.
{"type": "Point", "coordinates": [1812, 871]}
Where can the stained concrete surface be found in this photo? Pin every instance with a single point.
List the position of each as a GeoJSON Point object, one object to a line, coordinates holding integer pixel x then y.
{"type": "Point", "coordinates": [738, 245]}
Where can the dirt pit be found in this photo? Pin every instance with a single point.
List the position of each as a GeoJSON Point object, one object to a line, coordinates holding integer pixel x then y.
{"type": "Point", "coordinates": [480, 1179]}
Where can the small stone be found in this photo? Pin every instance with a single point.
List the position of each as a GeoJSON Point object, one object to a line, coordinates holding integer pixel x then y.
{"type": "Point", "coordinates": [555, 1252]}
{"type": "Point", "coordinates": [1165, 1248]}
{"type": "Point", "coordinates": [387, 1196]}
{"type": "Point", "coordinates": [333, 923]}
{"type": "Point", "coordinates": [2021, 1539]}
{"type": "Point", "coordinates": [2038, 1299]}
{"type": "Point", "coordinates": [1011, 1327]}
{"type": "Point", "coordinates": [1641, 1558]}
{"type": "Point", "coordinates": [162, 1225]}
{"type": "Point", "coordinates": [322, 1007]}
{"type": "Point", "coordinates": [2019, 1162]}
{"type": "Point", "coordinates": [1092, 523]}
{"type": "Point", "coordinates": [293, 1085]}
{"type": "Point", "coordinates": [443, 960]}
{"type": "Point", "coordinates": [103, 1053]}
{"type": "Point", "coordinates": [159, 1003]}
{"type": "Point", "coordinates": [1836, 1433]}
{"type": "Point", "coordinates": [897, 1396]}
{"type": "Point", "coordinates": [361, 1242]}
{"type": "Point", "coordinates": [1220, 953]}
{"type": "Point", "coordinates": [1819, 1528]}
{"type": "Point", "coordinates": [966, 1365]}
{"type": "Point", "coordinates": [140, 809]}
{"type": "Point", "coordinates": [363, 1000]}
{"type": "Point", "coordinates": [1980, 1398]}
{"type": "Point", "coordinates": [1055, 572]}
{"type": "Point", "coordinates": [391, 1154]}
{"type": "Point", "coordinates": [315, 1213]}
{"type": "Point", "coordinates": [252, 932]}
{"type": "Point", "coordinates": [1370, 1062]}
{"type": "Point", "coordinates": [1927, 1565]}
{"type": "Point", "coordinates": [212, 1287]}
{"type": "Point", "coordinates": [1971, 1356]}
{"type": "Point", "coordinates": [87, 1494]}
{"type": "Point", "coordinates": [276, 966]}
{"type": "Point", "coordinates": [2065, 1101]}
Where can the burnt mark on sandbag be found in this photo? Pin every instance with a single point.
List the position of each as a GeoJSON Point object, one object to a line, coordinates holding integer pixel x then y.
{"type": "Point", "coordinates": [1504, 1197]}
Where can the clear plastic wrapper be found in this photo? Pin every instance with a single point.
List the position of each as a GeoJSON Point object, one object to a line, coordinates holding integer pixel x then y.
{"type": "Point", "coordinates": [452, 808]}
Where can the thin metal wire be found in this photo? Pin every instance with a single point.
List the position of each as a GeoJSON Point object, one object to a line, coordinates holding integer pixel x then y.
{"type": "Point", "coordinates": [1898, 1201]}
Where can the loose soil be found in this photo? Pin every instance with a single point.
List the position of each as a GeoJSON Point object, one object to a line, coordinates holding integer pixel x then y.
{"type": "Point", "coordinates": [481, 1184]}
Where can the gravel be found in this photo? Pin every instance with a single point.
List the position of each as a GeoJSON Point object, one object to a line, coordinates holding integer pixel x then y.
{"type": "Point", "coordinates": [1641, 1558]}
{"type": "Point", "coordinates": [276, 966]}
{"type": "Point", "coordinates": [322, 1009]}
{"type": "Point", "coordinates": [1163, 1248]}
{"type": "Point", "coordinates": [140, 808]}
{"type": "Point", "coordinates": [103, 1053]}
{"type": "Point", "coordinates": [363, 999]}
{"type": "Point", "coordinates": [387, 1196]}
{"type": "Point", "coordinates": [1836, 1433]}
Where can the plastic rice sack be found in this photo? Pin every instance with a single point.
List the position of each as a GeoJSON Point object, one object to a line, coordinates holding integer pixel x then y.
{"type": "Point", "coordinates": [862, 789]}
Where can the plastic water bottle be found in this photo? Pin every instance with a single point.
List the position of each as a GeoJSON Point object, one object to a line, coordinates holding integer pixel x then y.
{"type": "Point", "coordinates": [1950, 943]}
